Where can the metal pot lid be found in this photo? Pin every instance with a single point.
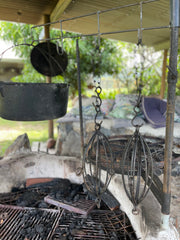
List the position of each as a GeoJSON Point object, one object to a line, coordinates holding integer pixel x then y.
{"type": "Point", "coordinates": [49, 59]}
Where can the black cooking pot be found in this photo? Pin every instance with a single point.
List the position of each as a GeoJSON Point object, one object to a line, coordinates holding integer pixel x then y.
{"type": "Point", "coordinates": [49, 59]}
{"type": "Point", "coordinates": [33, 101]}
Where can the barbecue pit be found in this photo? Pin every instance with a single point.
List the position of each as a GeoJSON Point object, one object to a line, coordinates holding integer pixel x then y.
{"type": "Point", "coordinates": [16, 169]}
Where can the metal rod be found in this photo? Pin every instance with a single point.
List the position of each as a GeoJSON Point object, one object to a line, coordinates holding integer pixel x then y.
{"type": "Point", "coordinates": [48, 79]}
{"type": "Point", "coordinates": [163, 77]}
{"type": "Point", "coordinates": [80, 97]}
{"type": "Point", "coordinates": [172, 79]}
{"type": "Point", "coordinates": [94, 13]}
{"type": "Point", "coordinates": [104, 33]}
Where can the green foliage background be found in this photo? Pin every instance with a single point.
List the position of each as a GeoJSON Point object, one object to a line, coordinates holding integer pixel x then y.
{"type": "Point", "coordinates": [115, 58]}
{"type": "Point", "coordinates": [92, 62]}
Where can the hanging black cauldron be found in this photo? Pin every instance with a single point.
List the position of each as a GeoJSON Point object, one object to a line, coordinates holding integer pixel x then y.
{"type": "Point", "coordinates": [49, 59]}
{"type": "Point", "coordinates": [33, 101]}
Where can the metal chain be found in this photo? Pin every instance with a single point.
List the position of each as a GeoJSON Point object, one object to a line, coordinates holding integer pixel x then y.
{"type": "Point", "coordinates": [98, 89]}
{"type": "Point", "coordinates": [97, 106]}
{"type": "Point", "coordinates": [138, 78]}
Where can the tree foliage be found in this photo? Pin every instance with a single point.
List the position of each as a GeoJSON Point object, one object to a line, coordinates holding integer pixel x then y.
{"type": "Point", "coordinates": [113, 57]}
{"type": "Point", "coordinates": [92, 61]}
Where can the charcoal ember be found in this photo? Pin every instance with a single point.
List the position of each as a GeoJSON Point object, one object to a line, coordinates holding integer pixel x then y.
{"type": "Point", "coordinates": [78, 226]}
{"type": "Point", "coordinates": [176, 171]}
{"type": "Point", "coordinates": [39, 228]}
{"type": "Point", "coordinates": [57, 236]}
{"type": "Point", "coordinates": [42, 204]}
{"type": "Point", "coordinates": [82, 222]}
{"type": "Point", "coordinates": [22, 203]}
{"type": "Point", "coordinates": [77, 187]}
{"type": "Point", "coordinates": [59, 195]}
{"type": "Point", "coordinates": [70, 237]}
{"type": "Point", "coordinates": [28, 199]}
{"type": "Point", "coordinates": [63, 231]}
{"type": "Point", "coordinates": [25, 216]}
{"type": "Point", "coordinates": [73, 193]}
{"type": "Point", "coordinates": [76, 198]}
{"type": "Point", "coordinates": [29, 230]}
{"type": "Point", "coordinates": [23, 232]}
{"type": "Point", "coordinates": [101, 231]}
{"type": "Point", "coordinates": [33, 231]}
{"type": "Point", "coordinates": [114, 236]}
{"type": "Point", "coordinates": [72, 225]}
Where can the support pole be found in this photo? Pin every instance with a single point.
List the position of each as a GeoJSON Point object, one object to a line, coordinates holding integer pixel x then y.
{"type": "Point", "coordinates": [80, 97]}
{"type": "Point", "coordinates": [48, 79]}
{"type": "Point", "coordinates": [172, 79]}
{"type": "Point", "coordinates": [163, 78]}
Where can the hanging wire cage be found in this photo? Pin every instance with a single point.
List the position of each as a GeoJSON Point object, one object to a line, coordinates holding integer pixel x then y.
{"type": "Point", "coordinates": [137, 170]}
{"type": "Point", "coordinates": [98, 158]}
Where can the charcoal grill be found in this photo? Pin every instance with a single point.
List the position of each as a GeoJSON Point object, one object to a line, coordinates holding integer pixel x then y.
{"type": "Point", "coordinates": [100, 224]}
{"type": "Point", "coordinates": [15, 222]}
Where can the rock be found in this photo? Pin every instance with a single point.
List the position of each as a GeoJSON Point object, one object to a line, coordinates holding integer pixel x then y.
{"type": "Point", "coordinates": [72, 145]}
{"type": "Point", "coordinates": [176, 171]}
{"type": "Point", "coordinates": [51, 143]}
{"type": "Point", "coordinates": [21, 144]}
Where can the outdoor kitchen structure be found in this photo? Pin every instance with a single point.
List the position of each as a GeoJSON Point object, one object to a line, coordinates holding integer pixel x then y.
{"type": "Point", "coordinates": [113, 190]}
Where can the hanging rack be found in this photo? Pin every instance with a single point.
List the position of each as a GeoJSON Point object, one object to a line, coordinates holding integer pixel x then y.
{"type": "Point", "coordinates": [98, 33]}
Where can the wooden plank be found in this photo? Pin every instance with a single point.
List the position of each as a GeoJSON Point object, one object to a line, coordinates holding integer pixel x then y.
{"type": "Point", "coordinates": [59, 9]}
{"type": "Point", "coordinates": [82, 206]}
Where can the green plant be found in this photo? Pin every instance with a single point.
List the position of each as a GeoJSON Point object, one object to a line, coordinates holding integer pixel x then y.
{"type": "Point", "coordinates": [93, 61]}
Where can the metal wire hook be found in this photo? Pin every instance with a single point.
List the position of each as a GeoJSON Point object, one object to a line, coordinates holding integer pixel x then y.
{"type": "Point", "coordinates": [61, 36]}
{"type": "Point", "coordinates": [140, 29]}
{"type": "Point", "coordinates": [99, 34]}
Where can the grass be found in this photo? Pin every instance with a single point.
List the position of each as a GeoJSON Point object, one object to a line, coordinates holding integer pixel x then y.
{"type": "Point", "coordinates": [10, 130]}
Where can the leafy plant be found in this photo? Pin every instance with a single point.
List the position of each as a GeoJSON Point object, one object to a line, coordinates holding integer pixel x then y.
{"type": "Point", "coordinates": [93, 61]}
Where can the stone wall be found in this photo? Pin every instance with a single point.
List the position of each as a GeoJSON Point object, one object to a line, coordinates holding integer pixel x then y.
{"type": "Point", "coordinates": [69, 140]}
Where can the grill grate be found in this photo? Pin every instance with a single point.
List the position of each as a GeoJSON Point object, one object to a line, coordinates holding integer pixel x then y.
{"type": "Point", "coordinates": [100, 224]}
{"type": "Point", "coordinates": [27, 223]}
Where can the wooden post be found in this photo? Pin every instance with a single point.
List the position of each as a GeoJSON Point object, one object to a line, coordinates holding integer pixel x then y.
{"type": "Point", "coordinates": [48, 79]}
{"type": "Point", "coordinates": [172, 79]}
{"type": "Point", "coordinates": [163, 78]}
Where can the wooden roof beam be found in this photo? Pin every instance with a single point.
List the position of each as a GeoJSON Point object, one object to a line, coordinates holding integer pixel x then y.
{"type": "Point", "coordinates": [59, 9]}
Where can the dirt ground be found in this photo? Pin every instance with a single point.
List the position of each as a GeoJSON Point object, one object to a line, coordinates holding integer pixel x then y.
{"type": "Point", "coordinates": [175, 202]}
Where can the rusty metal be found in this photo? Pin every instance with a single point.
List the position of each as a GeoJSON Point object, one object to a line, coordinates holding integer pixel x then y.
{"type": "Point", "coordinates": [18, 219]}
{"type": "Point", "coordinates": [82, 206]}
{"type": "Point", "coordinates": [172, 79]}
{"type": "Point", "coordinates": [137, 159]}
{"type": "Point", "coordinates": [80, 97]}
{"type": "Point", "coordinates": [93, 162]}
{"type": "Point", "coordinates": [99, 225]}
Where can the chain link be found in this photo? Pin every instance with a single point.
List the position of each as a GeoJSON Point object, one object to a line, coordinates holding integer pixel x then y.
{"type": "Point", "coordinates": [97, 106]}
{"type": "Point", "coordinates": [138, 78]}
